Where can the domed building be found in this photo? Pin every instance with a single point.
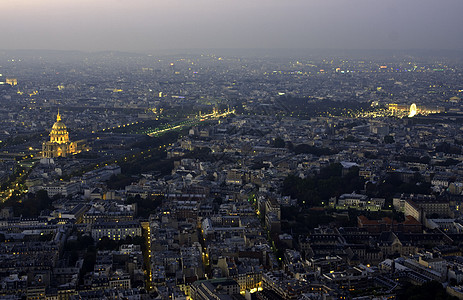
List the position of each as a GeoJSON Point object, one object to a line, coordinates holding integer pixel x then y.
{"type": "Point", "coordinates": [59, 144]}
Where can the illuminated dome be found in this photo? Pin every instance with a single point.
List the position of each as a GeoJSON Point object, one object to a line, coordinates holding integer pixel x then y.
{"type": "Point", "coordinates": [59, 133]}
{"type": "Point", "coordinates": [59, 126]}
{"type": "Point", "coordinates": [59, 144]}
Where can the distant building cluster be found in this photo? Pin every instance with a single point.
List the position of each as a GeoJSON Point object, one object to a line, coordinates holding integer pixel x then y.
{"type": "Point", "coordinates": [206, 177]}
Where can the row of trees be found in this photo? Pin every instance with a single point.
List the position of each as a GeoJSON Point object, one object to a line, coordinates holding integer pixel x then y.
{"type": "Point", "coordinates": [85, 247]}
{"type": "Point", "coordinates": [311, 108]}
{"type": "Point", "coordinates": [146, 206]}
{"type": "Point", "coordinates": [29, 206]}
{"type": "Point", "coordinates": [302, 148]}
{"type": "Point", "coordinates": [312, 191]}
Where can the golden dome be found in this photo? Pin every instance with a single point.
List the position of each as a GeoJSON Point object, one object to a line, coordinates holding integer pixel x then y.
{"type": "Point", "coordinates": [59, 126]}
{"type": "Point", "coordinates": [59, 133]}
{"type": "Point", "coordinates": [59, 144]}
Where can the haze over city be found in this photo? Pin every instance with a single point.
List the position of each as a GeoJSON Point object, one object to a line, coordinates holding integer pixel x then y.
{"type": "Point", "coordinates": [147, 25]}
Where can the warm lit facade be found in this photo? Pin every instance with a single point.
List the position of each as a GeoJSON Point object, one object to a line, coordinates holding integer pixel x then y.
{"type": "Point", "coordinates": [412, 110]}
{"type": "Point", "coordinates": [59, 144]}
{"type": "Point", "coordinates": [12, 81]}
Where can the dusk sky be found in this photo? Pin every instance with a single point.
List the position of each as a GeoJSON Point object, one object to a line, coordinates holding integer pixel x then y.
{"type": "Point", "coordinates": [144, 25]}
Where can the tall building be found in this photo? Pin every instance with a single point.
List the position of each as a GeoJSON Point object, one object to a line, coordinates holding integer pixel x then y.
{"type": "Point", "coordinates": [59, 144]}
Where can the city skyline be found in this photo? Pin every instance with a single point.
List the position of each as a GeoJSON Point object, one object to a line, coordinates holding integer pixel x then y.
{"type": "Point", "coordinates": [231, 150]}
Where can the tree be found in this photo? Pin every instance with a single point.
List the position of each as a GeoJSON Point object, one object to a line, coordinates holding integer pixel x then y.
{"type": "Point", "coordinates": [106, 244]}
{"type": "Point", "coordinates": [147, 206]}
{"type": "Point", "coordinates": [351, 139]}
{"type": "Point", "coordinates": [318, 151]}
{"type": "Point", "coordinates": [119, 181]}
{"type": "Point", "coordinates": [89, 262]}
{"type": "Point", "coordinates": [389, 139]}
{"type": "Point", "coordinates": [329, 183]}
{"type": "Point", "coordinates": [432, 290]}
{"type": "Point", "coordinates": [279, 143]}
{"type": "Point", "coordinates": [290, 146]}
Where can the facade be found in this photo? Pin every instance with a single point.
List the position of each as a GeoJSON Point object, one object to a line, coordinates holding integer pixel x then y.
{"type": "Point", "coordinates": [59, 188]}
{"type": "Point", "coordinates": [284, 286]}
{"type": "Point", "coordinates": [421, 209]}
{"type": "Point", "coordinates": [12, 81]}
{"type": "Point", "coordinates": [220, 289]}
{"type": "Point", "coordinates": [116, 230]}
{"type": "Point", "coordinates": [386, 224]}
{"type": "Point", "coordinates": [120, 281]}
{"type": "Point", "coordinates": [59, 144]}
{"type": "Point", "coordinates": [352, 200]}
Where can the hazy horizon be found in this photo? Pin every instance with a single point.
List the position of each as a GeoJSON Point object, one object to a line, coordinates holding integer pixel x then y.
{"type": "Point", "coordinates": [146, 25]}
